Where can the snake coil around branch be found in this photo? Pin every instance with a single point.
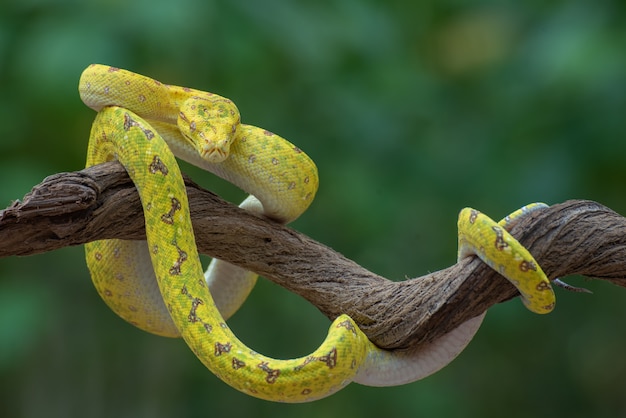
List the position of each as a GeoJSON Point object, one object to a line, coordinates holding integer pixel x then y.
{"type": "Point", "coordinates": [574, 237]}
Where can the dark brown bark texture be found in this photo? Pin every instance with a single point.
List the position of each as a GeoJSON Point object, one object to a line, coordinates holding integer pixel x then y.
{"type": "Point", "coordinates": [574, 237]}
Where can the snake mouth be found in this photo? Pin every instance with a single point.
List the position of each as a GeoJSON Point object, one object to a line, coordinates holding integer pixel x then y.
{"type": "Point", "coordinates": [215, 153]}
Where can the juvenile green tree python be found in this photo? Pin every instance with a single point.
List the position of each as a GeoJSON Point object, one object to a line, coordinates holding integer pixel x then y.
{"type": "Point", "coordinates": [158, 285]}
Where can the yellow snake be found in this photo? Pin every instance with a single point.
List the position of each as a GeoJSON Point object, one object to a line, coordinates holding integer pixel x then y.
{"type": "Point", "coordinates": [158, 285]}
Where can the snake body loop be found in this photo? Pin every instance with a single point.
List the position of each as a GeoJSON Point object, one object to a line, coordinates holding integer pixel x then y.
{"type": "Point", "coordinates": [159, 286]}
{"type": "Point", "coordinates": [119, 134]}
{"type": "Point", "coordinates": [198, 128]}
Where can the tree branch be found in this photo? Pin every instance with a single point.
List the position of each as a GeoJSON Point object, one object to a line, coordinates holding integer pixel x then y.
{"type": "Point", "coordinates": [575, 237]}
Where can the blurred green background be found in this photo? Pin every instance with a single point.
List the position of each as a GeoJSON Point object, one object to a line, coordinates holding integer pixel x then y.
{"type": "Point", "coordinates": [412, 110]}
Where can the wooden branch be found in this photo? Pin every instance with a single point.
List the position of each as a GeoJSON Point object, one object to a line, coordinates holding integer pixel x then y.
{"type": "Point", "coordinates": [576, 237]}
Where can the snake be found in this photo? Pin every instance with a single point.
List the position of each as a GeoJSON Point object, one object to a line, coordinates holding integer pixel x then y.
{"type": "Point", "coordinates": [159, 286]}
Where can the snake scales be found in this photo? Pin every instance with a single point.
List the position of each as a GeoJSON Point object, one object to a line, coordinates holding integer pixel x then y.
{"type": "Point", "coordinates": [159, 286]}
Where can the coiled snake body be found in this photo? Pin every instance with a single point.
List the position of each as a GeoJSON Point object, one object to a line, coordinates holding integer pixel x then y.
{"type": "Point", "coordinates": [159, 285]}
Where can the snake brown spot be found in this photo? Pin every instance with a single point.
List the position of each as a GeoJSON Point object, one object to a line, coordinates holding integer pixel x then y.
{"type": "Point", "coordinates": [128, 121]}
{"type": "Point", "coordinates": [473, 215]}
{"type": "Point", "coordinates": [157, 165]}
{"type": "Point", "coordinates": [541, 286]}
{"type": "Point", "coordinates": [500, 243]}
{"type": "Point", "coordinates": [330, 359]}
{"type": "Point", "coordinates": [272, 374]}
{"type": "Point", "coordinates": [176, 268]}
{"type": "Point", "coordinates": [238, 364]}
{"type": "Point", "coordinates": [193, 317]}
{"type": "Point", "coordinates": [148, 133]}
{"type": "Point", "coordinates": [528, 265]}
{"type": "Point", "coordinates": [222, 348]}
{"type": "Point", "coordinates": [347, 325]}
{"type": "Point", "coordinates": [168, 217]}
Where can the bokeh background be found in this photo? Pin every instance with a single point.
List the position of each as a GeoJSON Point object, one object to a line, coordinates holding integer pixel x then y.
{"type": "Point", "coordinates": [412, 110]}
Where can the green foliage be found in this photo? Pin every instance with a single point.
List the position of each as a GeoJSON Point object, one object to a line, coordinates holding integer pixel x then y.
{"type": "Point", "coordinates": [412, 110]}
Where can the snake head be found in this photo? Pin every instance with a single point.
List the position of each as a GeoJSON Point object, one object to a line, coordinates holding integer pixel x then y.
{"type": "Point", "coordinates": [210, 125]}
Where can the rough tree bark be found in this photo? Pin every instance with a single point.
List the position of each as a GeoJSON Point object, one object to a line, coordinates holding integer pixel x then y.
{"type": "Point", "coordinates": [575, 237]}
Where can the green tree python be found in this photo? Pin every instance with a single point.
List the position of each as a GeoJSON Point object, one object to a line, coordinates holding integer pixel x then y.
{"type": "Point", "coordinates": [159, 286]}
